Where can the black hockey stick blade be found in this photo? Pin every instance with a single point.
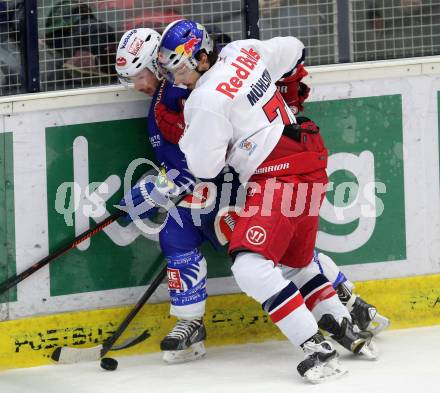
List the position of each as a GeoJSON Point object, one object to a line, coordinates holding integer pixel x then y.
{"type": "Point", "coordinates": [132, 342]}
{"type": "Point", "coordinates": [56, 354]}
{"type": "Point", "coordinates": [68, 355]}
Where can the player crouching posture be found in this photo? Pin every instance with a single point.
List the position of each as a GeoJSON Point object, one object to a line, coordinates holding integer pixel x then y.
{"type": "Point", "coordinates": [180, 238]}
{"type": "Point", "coordinates": [235, 116]}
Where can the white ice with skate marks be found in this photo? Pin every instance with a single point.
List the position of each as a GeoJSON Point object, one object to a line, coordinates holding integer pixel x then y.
{"type": "Point", "coordinates": [409, 361]}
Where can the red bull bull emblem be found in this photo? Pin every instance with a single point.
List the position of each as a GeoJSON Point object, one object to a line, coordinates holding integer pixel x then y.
{"type": "Point", "coordinates": [188, 47]}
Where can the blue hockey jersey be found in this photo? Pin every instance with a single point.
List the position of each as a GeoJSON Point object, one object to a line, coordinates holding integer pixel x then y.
{"type": "Point", "coordinates": [167, 154]}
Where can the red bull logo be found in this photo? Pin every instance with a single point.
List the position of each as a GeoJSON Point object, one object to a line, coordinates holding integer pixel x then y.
{"type": "Point", "coordinates": [188, 47]}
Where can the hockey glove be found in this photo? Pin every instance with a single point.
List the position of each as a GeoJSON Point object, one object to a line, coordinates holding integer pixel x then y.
{"type": "Point", "coordinates": [170, 123]}
{"type": "Point", "coordinates": [293, 90]}
{"type": "Point", "coordinates": [148, 195]}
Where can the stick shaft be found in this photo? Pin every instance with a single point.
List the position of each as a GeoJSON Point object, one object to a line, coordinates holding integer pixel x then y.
{"type": "Point", "coordinates": [14, 280]}
{"type": "Point", "coordinates": [134, 311]}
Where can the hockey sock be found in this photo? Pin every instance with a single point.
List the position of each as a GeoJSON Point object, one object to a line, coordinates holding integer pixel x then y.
{"type": "Point", "coordinates": [187, 275]}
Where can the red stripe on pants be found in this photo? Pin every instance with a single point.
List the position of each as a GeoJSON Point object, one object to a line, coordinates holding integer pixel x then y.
{"type": "Point", "coordinates": [287, 308]}
{"type": "Point", "coordinates": [324, 293]}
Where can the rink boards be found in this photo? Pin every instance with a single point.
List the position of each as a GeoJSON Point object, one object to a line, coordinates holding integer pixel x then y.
{"type": "Point", "coordinates": [230, 319]}
{"type": "Point", "coordinates": [63, 159]}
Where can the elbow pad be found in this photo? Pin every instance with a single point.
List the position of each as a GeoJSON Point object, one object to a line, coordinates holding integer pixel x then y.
{"type": "Point", "coordinates": [170, 123]}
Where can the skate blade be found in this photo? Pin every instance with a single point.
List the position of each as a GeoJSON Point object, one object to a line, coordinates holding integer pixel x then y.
{"type": "Point", "coordinates": [194, 352]}
{"type": "Point", "coordinates": [369, 351]}
{"type": "Point", "coordinates": [325, 372]}
{"type": "Point", "coordinates": [378, 324]}
{"type": "Point", "coordinates": [357, 345]}
{"type": "Point", "coordinates": [365, 348]}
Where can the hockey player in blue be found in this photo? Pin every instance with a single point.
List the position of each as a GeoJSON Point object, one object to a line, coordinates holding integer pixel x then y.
{"type": "Point", "coordinates": [181, 236]}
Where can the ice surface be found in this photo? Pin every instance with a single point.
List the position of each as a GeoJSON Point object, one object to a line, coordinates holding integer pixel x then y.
{"type": "Point", "coordinates": [409, 362]}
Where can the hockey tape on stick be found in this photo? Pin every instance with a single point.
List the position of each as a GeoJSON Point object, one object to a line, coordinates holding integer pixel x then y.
{"type": "Point", "coordinates": [68, 355]}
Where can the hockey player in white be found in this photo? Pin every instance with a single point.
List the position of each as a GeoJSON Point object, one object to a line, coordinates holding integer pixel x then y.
{"type": "Point", "coordinates": [235, 116]}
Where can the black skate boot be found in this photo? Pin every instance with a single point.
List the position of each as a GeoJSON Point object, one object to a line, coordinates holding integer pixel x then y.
{"type": "Point", "coordinates": [185, 342]}
{"type": "Point", "coordinates": [321, 360]}
{"type": "Point", "coordinates": [364, 315]}
{"type": "Point", "coordinates": [348, 335]}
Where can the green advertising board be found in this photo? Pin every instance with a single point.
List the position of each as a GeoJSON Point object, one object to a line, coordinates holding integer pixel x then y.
{"type": "Point", "coordinates": [110, 148]}
{"type": "Point", "coordinates": [7, 244]}
{"type": "Point", "coordinates": [354, 126]}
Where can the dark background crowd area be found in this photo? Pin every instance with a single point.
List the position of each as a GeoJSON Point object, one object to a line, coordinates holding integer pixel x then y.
{"type": "Point", "coordinates": [77, 39]}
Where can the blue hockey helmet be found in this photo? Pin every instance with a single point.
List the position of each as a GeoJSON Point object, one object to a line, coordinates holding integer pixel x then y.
{"type": "Point", "coordinates": [180, 43]}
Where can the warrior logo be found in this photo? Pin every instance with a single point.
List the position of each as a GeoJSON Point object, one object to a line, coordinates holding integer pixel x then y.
{"type": "Point", "coordinates": [256, 235]}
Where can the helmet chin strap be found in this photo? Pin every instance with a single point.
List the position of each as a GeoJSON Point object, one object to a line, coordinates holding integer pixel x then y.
{"type": "Point", "coordinates": [209, 62]}
{"type": "Point", "coordinates": [199, 72]}
{"type": "Point", "coordinates": [197, 68]}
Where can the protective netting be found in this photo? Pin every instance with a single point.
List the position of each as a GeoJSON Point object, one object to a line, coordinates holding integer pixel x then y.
{"type": "Point", "coordinates": [10, 55]}
{"type": "Point", "coordinates": [389, 29]}
{"type": "Point", "coordinates": [312, 21]}
{"type": "Point", "coordinates": [80, 37]}
{"type": "Point", "coordinates": [77, 39]}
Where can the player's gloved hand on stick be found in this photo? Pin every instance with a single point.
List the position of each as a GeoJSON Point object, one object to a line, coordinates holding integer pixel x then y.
{"type": "Point", "coordinates": [149, 194]}
{"type": "Point", "coordinates": [293, 90]}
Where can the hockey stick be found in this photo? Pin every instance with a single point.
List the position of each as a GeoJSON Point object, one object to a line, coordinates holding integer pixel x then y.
{"type": "Point", "coordinates": [14, 280]}
{"type": "Point", "coordinates": [68, 355]}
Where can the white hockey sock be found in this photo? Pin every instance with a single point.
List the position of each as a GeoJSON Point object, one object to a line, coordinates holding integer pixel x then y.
{"type": "Point", "coordinates": [331, 306]}
{"type": "Point", "coordinates": [258, 278]}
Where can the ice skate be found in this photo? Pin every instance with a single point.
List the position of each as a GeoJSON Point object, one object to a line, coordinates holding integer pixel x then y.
{"type": "Point", "coordinates": [185, 342]}
{"type": "Point", "coordinates": [364, 315]}
{"type": "Point", "coordinates": [349, 336]}
{"type": "Point", "coordinates": [321, 361]}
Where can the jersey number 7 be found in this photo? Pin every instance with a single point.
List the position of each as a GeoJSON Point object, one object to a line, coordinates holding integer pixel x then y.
{"type": "Point", "coordinates": [275, 107]}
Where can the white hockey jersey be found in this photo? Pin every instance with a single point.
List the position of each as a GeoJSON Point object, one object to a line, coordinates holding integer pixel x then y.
{"type": "Point", "coordinates": [234, 115]}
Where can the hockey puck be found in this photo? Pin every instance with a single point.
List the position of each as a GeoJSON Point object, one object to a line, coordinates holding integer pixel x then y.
{"type": "Point", "coordinates": [109, 364]}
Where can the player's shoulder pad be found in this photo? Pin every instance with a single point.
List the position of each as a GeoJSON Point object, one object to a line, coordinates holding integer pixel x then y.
{"type": "Point", "coordinates": [172, 92]}
{"type": "Point", "coordinates": [171, 96]}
